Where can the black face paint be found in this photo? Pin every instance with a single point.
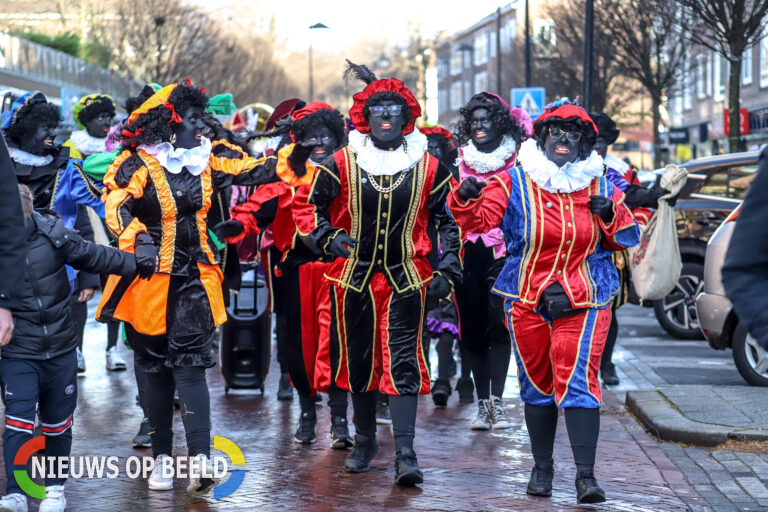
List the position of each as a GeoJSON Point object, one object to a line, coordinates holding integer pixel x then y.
{"type": "Point", "coordinates": [601, 146]}
{"type": "Point", "coordinates": [324, 140]}
{"type": "Point", "coordinates": [484, 132]}
{"type": "Point", "coordinates": [434, 147]}
{"type": "Point", "coordinates": [190, 132]}
{"type": "Point", "coordinates": [41, 140]}
{"type": "Point", "coordinates": [99, 126]}
{"type": "Point", "coordinates": [387, 130]}
{"type": "Point", "coordinates": [562, 150]}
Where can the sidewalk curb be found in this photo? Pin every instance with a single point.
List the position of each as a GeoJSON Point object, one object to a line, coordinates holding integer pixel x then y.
{"type": "Point", "coordinates": [666, 422]}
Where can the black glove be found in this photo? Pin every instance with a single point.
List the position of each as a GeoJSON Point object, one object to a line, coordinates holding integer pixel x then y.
{"type": "Point", "coordinates": [299, 156]}
{"type": "Point", "coordinates": [336, 245]}
{"type": "Point", "coordinates": [439, 287]}
{"type": "Point", "coordinates": [146, 255]}
{"type": "Point", "coordinates": [470, 188]}
{"type": "Point", "coordinates": [227, 229]}
{"type": "Point", "coordinates": [602, 206]}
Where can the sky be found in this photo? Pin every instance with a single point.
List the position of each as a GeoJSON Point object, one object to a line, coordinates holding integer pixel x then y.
{"type": "Point", "coordinates": [350, 21]}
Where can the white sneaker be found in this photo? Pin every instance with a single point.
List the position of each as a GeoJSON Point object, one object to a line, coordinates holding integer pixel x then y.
{"type": "Point", "coordinates": [199, 484]}
{"type": "Point", "coordinates": [158, 482]}
{"type": "Point", "coordinates": [80, 361]}
{"type": "Point", "coordinates": [54, 499]}
{"type": "Point", "coordinates": [13, 503]}
{"type": "Point", "coordinates": [115, 361]}
{"type": "Point", "coordinates": [498, 414]}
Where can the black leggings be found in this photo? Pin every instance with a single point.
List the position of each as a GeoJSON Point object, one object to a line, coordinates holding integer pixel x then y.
{"type": "Point", "coordinates": [195, 409]}
{"type": "Point", "coordinates": [337, 401]}
{"type": "Point", "coordinates": [403, 409]}
{"type": "Point", "coordinates": [583, 427]}
{"type": "Point", "coordinates": [444, 355]}
{"type": "Point", "coordinates": [610, 342]}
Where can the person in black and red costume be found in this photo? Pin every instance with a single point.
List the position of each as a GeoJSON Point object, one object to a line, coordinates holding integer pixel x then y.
{"type": "Point", "coordinates": [317, 130]}
{"type": "Point", "coordinates": [369, 205]}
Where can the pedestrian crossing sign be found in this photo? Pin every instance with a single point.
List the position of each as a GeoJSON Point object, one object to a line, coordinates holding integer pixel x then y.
{"type": "Point", "coordinates": [530, 99]}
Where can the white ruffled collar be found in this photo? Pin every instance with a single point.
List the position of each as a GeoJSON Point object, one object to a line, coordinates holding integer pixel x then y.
{"type": "Point", "coordinates": [194, 160]}
{"type": "Point", "coordinates": [87, 144]}
{"type": "Point", "coordinates": [382, 162]}
{"type": "Point", "coordinates": [546, 174]}
{"type": "Point", "coordinates": [24, 158]}
{"type": "Point", "coordinates": [481, 162]}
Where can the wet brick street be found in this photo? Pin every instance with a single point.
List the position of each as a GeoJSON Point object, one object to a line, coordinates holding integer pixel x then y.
{"type": "Point", "coordinates": [463, 469]}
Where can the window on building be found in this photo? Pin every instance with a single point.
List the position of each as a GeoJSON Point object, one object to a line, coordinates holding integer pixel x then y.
{"type": "Point", "coordinates": [443, 98]}
{"type": "Point", "coordinates": [455, 61]}
{"type": "Point", "coordinates": [456, 96]}
{"type": "Point", "coordinates": [718, 84]}
{"type": "Point", "coordinates": [687, 83]}
{"type": "Point", "coordinates": [710, 59]}
{"type": "Point", "coordinates": [481, 49]}
{"type": "Point", "coordinates": [701, 79]}
{"type": "Point", "coordinates": [481, 82]}
{"type": "Point", "coordinates": [764, 59]}
{"type": "Point", "coordinates": [746, 66]}
{"type": "Point", "coordinates": [492, 44]}
{"type": "Point", "coordinates": [442, 71]}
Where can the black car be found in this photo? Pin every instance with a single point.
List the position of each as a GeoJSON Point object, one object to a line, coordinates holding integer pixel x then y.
{"type": "Point", "coordinates": [715, 186]}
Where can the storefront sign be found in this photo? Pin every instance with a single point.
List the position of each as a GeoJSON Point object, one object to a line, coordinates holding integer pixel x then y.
{"type": "Point", "coordinates": [679, 136]}
{"type": "Point", "coordinates": [743, 121]}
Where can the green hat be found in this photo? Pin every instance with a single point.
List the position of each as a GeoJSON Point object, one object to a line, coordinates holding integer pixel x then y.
{"type": "Point", "coordinates": [94, 104]}
{"type": "Point", "coordinates": [221, 105]}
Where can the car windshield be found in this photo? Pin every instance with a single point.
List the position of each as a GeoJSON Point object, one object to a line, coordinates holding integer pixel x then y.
{"type": "Point", "coordinates": [728, 181]}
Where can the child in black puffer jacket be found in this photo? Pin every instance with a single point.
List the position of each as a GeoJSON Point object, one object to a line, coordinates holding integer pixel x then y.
{"type": "Point", "coordinates": [39, 364]}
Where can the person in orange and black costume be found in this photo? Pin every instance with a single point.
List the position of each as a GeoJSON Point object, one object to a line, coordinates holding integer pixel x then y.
{"type": "Point", "coordinates": [369, 205]}
{"type": "Point", "coordinates": [158, 197]}
{"type": "Point", "coordinates": [318, 130]}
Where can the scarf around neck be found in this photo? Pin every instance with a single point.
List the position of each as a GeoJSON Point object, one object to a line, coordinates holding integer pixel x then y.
{"type": "Point", "coordinates": [484, 163]}
{"type": "Point", "coordinates": [571, 177]}
{"type": "Point", "coordinates": [194, 160]}
{"type": "Point", "coordinates": [87, 144]}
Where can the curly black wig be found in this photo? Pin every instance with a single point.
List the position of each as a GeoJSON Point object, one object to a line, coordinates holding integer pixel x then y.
{"type": "Point", "coordinates": [330, 118]}
{"type": "Point", "coordinates": [155, 125]}
{"type": "Point", "coordinates": [588, 135]}
{"type": "Point", "coordinates": [101, 104]}
{"type": "Point", "coordinates": [30, 119]}
{"type": "Point", "coordinates": [135, 102]}
{"type": "Point", "coordinates": [462, 131]}
{"type": "Point", "coordinates": [606, 127]}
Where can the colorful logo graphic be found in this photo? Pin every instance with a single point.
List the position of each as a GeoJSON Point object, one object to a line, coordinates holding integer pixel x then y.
{"type": "Point", "coordinates": [21, 475]}
{"type": "Point", "coordinates": [237, 476]}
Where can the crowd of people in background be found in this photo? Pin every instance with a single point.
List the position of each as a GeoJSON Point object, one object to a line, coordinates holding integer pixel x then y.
{"type": "Point", "coordinates": [498, 238]}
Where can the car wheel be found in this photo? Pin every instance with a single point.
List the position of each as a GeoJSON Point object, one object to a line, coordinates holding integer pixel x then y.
{"type": "Point", "coordinates": [677, 311]}
{"type": "Point", "coordinates": [751, 359]}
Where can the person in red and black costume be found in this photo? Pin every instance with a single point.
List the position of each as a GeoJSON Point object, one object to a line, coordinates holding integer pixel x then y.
{"type": "Point", "coordinates": [369, 205]}
{"type": "Point", "coordinates": [561, 219]}
{"type": "Point", "coordinates": [317, 130]}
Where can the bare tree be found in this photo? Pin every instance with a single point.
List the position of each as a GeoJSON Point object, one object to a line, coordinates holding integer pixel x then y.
{"type": "Point", "coordinates": [648, 46]}
{"type": "Point", "coordinates": [728, 27]}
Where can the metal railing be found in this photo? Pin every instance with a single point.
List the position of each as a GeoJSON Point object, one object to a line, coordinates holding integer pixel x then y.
{"type": "Point", "coordinates": [27, 59]}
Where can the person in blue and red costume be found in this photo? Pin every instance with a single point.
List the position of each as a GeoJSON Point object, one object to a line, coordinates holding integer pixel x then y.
{"type": "Point", "coordinates": [640, 200]}
{"type": "Point", "coordinates": [369, 206]}
{"type": "Point", "coordinates": [561, 219]}
{"type": "Point", "coordinates": [159, 192]}
{"type": "Point", "coordinates": [56, 180]}
{"type": "Point", "coordinates": [489, 134]}
{"type": "Point", "coordinates": [317, 130]}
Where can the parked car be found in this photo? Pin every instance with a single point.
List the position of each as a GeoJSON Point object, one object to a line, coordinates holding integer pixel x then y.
{"type": "Point", "coordinates": [719, 322]}
{"type": "Point", "coordinates": [715, 186]}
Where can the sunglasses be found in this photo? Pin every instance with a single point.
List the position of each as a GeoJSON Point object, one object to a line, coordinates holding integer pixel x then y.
{"type": "Point", "coordinates": [557, 132]}
{"type": "Point", "coordinates": [394, 110]}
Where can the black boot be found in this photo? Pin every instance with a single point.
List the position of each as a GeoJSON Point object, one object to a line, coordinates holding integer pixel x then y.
{"type": "Point", "coordinates": [540, 483]}
{"type": "Point", "coordinates": [587, 490]}
{"type": "Point", "coordinates": [466, 390]}
{"type": "Point", "coordinates": [608, 373]}
{"type": "Point", "coordinates": [359, 461]}
{"type": "Point", "coordinates": [441, 390]}
{"type": "Point", "coordinates": [284, 390]}
{"type": "Point", "coordinates": [305, 433]}
{"type": "Point", "coordinates": [340, 439]}
{"type": "Point", "coordinates": [407, 470]}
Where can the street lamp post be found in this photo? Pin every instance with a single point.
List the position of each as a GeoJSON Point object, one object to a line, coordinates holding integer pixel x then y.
{"type": "Point", "coordinates": [311, 84]}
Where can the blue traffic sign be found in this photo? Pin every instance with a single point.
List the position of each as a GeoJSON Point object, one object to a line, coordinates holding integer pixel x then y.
{"type": "Point", "coordinates": [530, 99]}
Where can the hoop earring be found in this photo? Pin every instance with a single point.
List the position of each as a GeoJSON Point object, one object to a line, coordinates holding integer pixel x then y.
{"type": "Point", "coordinates": [172, 140]}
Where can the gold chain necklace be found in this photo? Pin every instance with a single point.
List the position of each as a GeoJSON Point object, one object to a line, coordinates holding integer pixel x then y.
{"type": "Point", "coordinates": [386, 190]}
